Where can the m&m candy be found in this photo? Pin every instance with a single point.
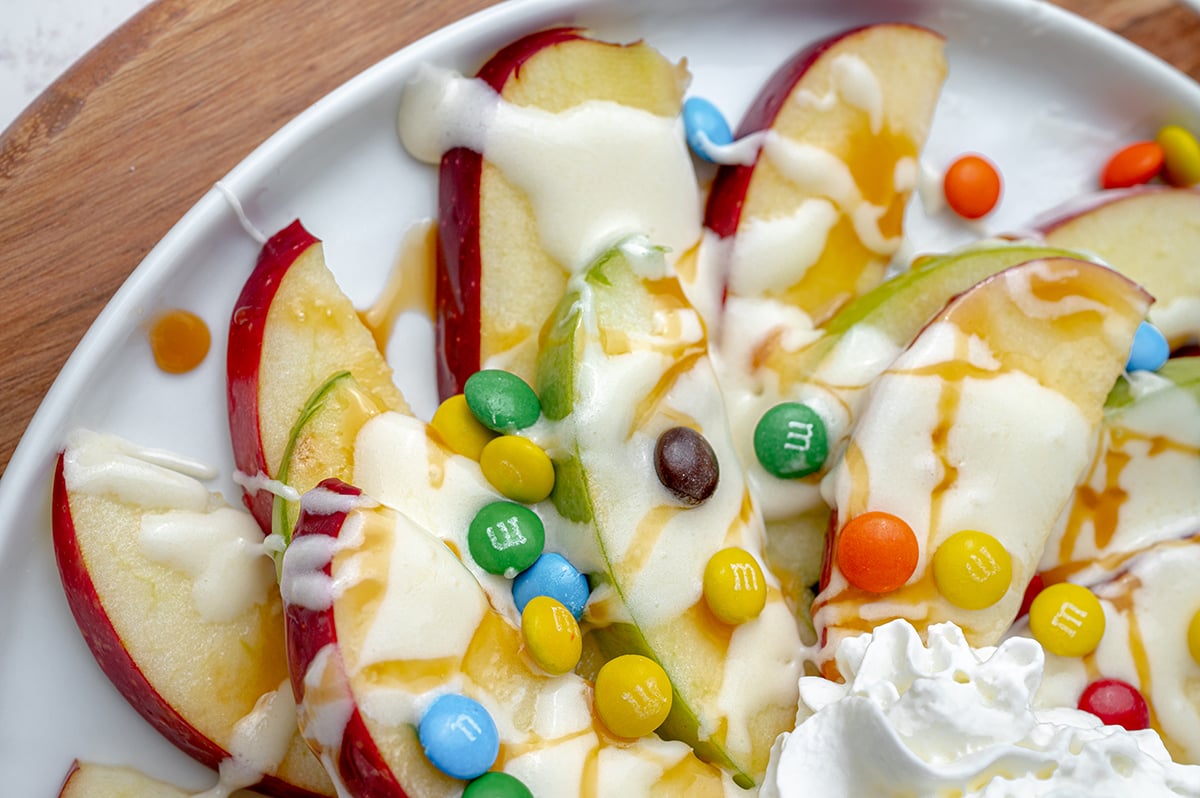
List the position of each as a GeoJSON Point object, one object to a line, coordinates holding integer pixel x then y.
{"type": "Point", "coordinates": [971, 186]}
{"type": "Point", "coordinates": [790, 440]}
{"type": "Point", "coordinates": [552, 575]}
{"type": "Point", "coordinates": [972, 569]}
{"type": "Point", "coordinates": [518, 468]}
{"type": "Point", "coordinates": [497, 785]}
{"type": "Point", "coordinates": [877, 552]}
{"type": "Point", "coordinates": [458, 428]}
{"type": "Point", "coordinates": [1150, 349]}
{"type": "Point", "coordinates": [1067, 620]}
{"type": "Point", "coordinates": [501, 400]}
{"type": "Point", "coordinates": [1116, 703]}
{"type": "Point", "coordinates": [1181, 155]}
{"type": "Point", "coordinates": [633, 695]}
{"type": "Point", "coordinates": [1133, 165]}
{"type": "Point", "coordinates": [734, 587]}
{"type": "Point", "coordinates": [704, 124]}
{"type": "Point", "coordinates": [686, 465]}
{"type": "Point", "coordinates": [459, 736]}
{"type": "Point", "coordinates": [505, 538]}
{"type": "Point", "coordinates": [1193, 637]}
{"type": "Point", "coordinates": [551, 634]}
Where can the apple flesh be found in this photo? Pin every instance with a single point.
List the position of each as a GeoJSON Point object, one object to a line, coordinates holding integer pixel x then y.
{"type": "Point", "coordinates": [291, 328]}
{"type": "Point", "coordinates": [1149, 445]}
{"type": "Point", "coordinates": [368, 656]}
{"type": "Point", "coordinates": [496, 283]}
{"type": "Point", "coordinates": [1148, 599]}
{"type": "Point", "coordinates": [144, 612]}
{"type": "Point", "coordinates": [322, 443]}
{"type": "Point", "coordinates": [625, 360]}
{"type": "Point", "coordinates": [1149, 234]}
{"type": "Point", "coordinates": [986, 422]}
{"type": "Point", "coordinates": [845, 120]}
{"type": "Point", "coordinates": [90, 780]}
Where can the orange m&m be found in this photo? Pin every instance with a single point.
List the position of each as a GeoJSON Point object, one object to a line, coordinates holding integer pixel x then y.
{"type": "Point", "coordinates": [1138, 163]}
{"type": "Point", "coordinates": [877, 552]}
{"type": "Point", "coordinates": [971, 186]}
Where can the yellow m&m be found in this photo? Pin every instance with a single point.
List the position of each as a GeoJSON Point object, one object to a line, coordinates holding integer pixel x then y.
{"type": "Point", "coordinates": [734, 588]}
{"type": "Point", "coordinates": [633, 695]}
{"type": "Point", "coordinates": [1193, 637]}
{"type": "Point", "coordinates": [1067, 620]}
{"type": "Point", "coordinates": [459, 429]}
{"type": "Point", "coordinates": [551, 635]}
{"type": "Point", "coordinates": [518, 468]}
{"type": "Point", "coordinates": [972, 569]}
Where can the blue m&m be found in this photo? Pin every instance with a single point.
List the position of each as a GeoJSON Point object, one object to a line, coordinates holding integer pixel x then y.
{"type": "Point", "coordinates": [1150, 349]}
{"type": "Point", "coordinates": [705, 125]}
{"type": "Point", "coordinates": [552, 575]}
{"type": "Point", "coordinates": [459, 736]}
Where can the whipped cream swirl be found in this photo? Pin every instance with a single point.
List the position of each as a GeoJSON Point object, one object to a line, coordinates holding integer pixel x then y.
{"type": "Point", "coordinates": [946, 719]}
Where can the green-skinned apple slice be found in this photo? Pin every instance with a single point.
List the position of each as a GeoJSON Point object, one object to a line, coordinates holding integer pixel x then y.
{"type": "Point", "coordinates": [833, 369]}
{"type": "Point", "coordinates": [1129, 499]}
{"type": "Point", "coordinates": [322, 443]}
{"type": "Point", "coordinates": [814, 221]}
{"type": "Point", "coordinates": [173, 592]}
{"type": "Point", "coordinates": [291, 328]}
{"type": "Point", "coordinates": [1149, 234]}
{"type": "Point", "coordinates": [497, 281]}
{"type": "Point", "coordinates": [831, 372]}
{"type": "Point", "coordinates": [624, 361]}
{"type": "Point", "coordinates": [382, 617]}
{"type": "Point", "coordinates": [986, 422]}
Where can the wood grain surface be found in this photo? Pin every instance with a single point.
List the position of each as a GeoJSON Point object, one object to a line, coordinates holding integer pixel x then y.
{"type": "Point", "coordinates": [89, 182]}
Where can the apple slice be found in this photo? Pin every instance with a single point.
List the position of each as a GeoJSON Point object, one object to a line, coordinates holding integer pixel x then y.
{"type": "Point", "coordinates": [498, 278]}
{"type": "Point", "coordinates": [815, 219]}
{"type": "Point", "coordinates": [1149, 234]}
{"type": "Point", "coordinates": [174, 594]}
{"type": "Point", "coordinates": [91, 780]}
{"type": "Point", "coordinates": [832, 370]}
{"type": "Point", "coordinates": [322, 443]}
{"type": "Point", "coordinates": [1130, 498]}
{"type": "Point", "coordinates": [291, 328]}
{"type": "Point", "coordinates": [986, 422]}
{"type": "Point", "coordinates": [624, 362]}
{"type": "Point", "coordinates": [382, 618]}
{"type": "Point", "coordinates": [1149, 601]}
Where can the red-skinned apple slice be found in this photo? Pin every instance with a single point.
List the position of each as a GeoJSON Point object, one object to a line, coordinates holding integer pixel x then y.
{"type": "Point", "coordinates": [815, 219]}
{"type": "Point", "coordinates": [1148, 598]}
{"type": "Point", "coordinates": [1149, 234]}
{"type": "Point", "coordinates": [364, 664]}
{"type": "Point", "coordinates": [278, 356]}
{"type": "Point", "coordinates": [496, 282]}
{"type": "Point", "coordinates": [134, 540]}
{"type": "Point", "coordinates": [986, 422]}
{"type": "Point", "coordinates": [91, 780]}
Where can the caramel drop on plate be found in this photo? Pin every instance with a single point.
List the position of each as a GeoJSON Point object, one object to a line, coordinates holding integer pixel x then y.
{"type": "Point", "coordinates": [179, 340]}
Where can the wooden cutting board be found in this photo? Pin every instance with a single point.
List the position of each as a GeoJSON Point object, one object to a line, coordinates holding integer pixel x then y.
{"type": "Point", "coordinates": [97, 170]}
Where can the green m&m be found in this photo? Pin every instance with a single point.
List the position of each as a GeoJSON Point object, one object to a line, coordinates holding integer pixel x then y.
{"type": "Point", "coordinates": [505, 538]}
{"type": "Point", "coordinates": [501, 400]}
{"type": "Point", "coordinates": [497, 784]}
{"type": "Point", "coordinates": [790, 440]}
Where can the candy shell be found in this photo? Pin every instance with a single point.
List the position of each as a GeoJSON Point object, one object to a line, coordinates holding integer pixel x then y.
{"type": "Point", "coordinates": [552, 575]}
{"type": "Point", "coordinates": [505, 538]}
{"type": "Point", "coordinates": [704, 123]}
{"type": "Point", "coordinates": [1150, 349]}
{"type": "Point", "coordinates": [459, 736]}
{"type": "Point", "coordinates": [501, 400]}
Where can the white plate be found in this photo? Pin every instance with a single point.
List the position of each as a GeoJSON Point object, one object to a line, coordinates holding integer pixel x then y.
{"type": "Point", "coordinates": [1045, 95]}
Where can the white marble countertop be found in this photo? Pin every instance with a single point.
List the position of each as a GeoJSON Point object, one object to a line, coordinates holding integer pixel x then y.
{"type": "Point", "coordinates": [40, 39]}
